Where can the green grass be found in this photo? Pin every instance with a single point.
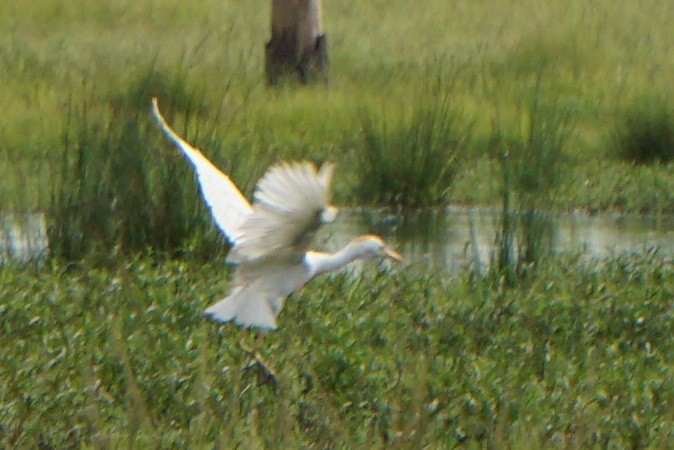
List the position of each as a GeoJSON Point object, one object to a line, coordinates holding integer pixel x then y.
{"type": "Point", "coordinates": [646, 133]}
{"type": "Point", "coordinates": [531, 157]}
{"type": "Point", "coordinates": [410, 160]}
{"type": "Point", "coordinates": [596, 60]}
{"type": "Point", "coordinates": [579, 356]}
{"type": "Point", "coordinates": [117, 193]}
{"type": "Point", "coordinates": [112, 351]}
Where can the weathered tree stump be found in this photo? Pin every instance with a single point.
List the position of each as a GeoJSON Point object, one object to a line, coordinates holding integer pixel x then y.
{"type": "Point", "coordinates": [297, 48]}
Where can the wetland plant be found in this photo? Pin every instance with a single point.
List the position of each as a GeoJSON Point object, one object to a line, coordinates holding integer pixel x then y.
{"type": "Point", "coordinates": [116, 191]}
{"type": "Point", "coordinates": [645, 133]}
{"type": "Point", "coordinates": [408, 160]}
{"type": "Point", "coordinates": [575, 358]}
{"type": "Point", "coordinates": [531, 163]}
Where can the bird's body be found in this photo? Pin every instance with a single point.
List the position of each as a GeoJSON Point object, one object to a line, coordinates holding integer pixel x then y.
{"type": "Point", "coordinates": [270, 238]}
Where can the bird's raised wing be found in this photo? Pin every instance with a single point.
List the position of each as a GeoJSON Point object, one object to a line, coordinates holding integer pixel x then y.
{"type": "Point", "coordinates": [228, 206]}
{"type": "Point", "coordinates": [291, 202]}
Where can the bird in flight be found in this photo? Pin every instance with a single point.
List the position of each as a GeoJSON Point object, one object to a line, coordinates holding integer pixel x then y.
{"type": "Point", "coordinates": [270, 238]}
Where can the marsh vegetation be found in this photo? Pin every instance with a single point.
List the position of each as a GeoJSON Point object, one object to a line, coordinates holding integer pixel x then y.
{"type": "Point", "coordinates": [531, 107]}
{"type": "Point", "coordinates": [578, 356]}
{"type": "Point", "coordinates": [599, 63]}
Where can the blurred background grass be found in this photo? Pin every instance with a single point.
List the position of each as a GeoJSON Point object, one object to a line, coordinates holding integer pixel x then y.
{"type": "Point", "coordinates": [598, 59]}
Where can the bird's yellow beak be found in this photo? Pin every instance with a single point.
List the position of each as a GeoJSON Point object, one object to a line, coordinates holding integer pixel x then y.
{"type": "Point", "coordinates": [392, 254]}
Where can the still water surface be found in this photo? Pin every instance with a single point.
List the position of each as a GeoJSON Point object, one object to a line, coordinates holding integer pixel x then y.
{"type": "Point", "coordinates": [440, 238]}
{"type": "Point", "coordinates": [443, 238]}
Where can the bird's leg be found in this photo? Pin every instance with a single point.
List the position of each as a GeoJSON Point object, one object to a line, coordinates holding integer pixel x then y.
{"type": "Point", "coordinates": [265, 373]}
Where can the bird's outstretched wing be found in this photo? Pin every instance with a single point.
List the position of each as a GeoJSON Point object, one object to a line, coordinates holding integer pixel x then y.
{"type": "Point", "coordinates": [291, 202]}
{"type": "Point", "coordinates": [228, 206]}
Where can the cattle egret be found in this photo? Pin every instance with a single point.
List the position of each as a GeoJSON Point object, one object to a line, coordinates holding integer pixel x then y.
{"type": "Point", "coordinates": [270, 238]}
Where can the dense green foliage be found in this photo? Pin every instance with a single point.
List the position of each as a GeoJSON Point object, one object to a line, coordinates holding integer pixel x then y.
{"type": "Point", "coordinates": [117, 193]}
{"type": "Point", "coordinates": [645, 134]}
{"type": "Point", "coordinates": [411, 161]}
{"type": "Point", "coordinates": [578, 355]}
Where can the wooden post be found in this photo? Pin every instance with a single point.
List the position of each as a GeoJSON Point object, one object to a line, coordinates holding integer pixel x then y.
{"type": "Point", "coordinates": [297, 48]}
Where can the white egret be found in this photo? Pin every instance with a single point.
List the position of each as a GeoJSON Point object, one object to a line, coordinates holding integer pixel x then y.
{"type": "Point", "coordinates": [270, 238]}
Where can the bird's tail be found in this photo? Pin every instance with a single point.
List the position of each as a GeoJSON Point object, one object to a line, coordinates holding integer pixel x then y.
{"type": "Point", "coordinates": [225, 309]}
{"type": "Point", "coordinates": [244, 309]}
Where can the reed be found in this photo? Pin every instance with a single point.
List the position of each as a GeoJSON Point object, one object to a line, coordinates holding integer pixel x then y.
{"type": "Point", "coordinates": [409, 159]}
{"type": "Point", "coordinates": [645, 132]}
{"type": "Point", "coordinates": [532, 167]}
{"type": "Point", "coordinates": [116, 192]}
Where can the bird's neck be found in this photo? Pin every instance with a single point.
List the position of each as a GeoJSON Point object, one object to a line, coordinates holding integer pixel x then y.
{"type": "Point", "coordinates": [327, 262]}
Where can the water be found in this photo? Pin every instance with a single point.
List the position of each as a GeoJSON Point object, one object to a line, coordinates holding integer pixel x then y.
{"type": "Point", "coordinates": [443, 238]}
{"type": "Point", "coordinates": [438, 238]}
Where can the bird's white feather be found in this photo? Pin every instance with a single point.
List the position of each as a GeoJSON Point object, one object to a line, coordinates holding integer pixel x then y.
{"type": "Point", "coordinates": [245, 307]}
{"type": "Point", "coordinates": [271, 237]}
{"type": "Point", "coordinates": [291, 202]}
{"type": "Point", "coordinates": [228, 206]}
{"type": "Point", "coordinates": [260, 291]}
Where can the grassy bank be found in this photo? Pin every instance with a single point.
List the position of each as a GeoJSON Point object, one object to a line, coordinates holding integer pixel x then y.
{"type": "Point", "coordinates": [113, 351]}
{"type": "Point", "coordinates": [577, 356]}
{"type": "Point", "coordinates": [595, 61]}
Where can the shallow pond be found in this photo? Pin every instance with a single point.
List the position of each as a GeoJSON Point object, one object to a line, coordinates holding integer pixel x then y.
{"type": "Point", "coordinates": [440, 238]}
{"type": "Point", "coordinates": [443, 238]}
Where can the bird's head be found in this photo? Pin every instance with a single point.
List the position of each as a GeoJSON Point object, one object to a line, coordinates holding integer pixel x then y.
{"type": "Point", "coordinates": [371, 246]}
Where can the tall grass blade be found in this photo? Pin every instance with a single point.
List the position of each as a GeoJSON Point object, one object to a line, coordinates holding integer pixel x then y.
{"type": "Point", "coordinates": [410, 161]}
{"type": "Point", "coordinates": [532, 168]}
